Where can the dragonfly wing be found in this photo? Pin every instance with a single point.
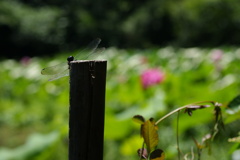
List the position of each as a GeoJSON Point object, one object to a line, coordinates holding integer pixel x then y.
{"type": "Point", "coordinates": [59, 75]}
{"type": "Point", "coordinates": [95, 53]}
{"type": "Point", "coordinates": [55, 69]}
{"type": "Point", "coordinates": [89, 50]}
{"type": "Point", "coordinates": [61, 70]}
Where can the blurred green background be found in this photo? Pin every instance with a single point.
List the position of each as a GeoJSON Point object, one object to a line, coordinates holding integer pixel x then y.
{"type": "Point", "coordinates": [34, 112]}
{"type": "Point", "coordinates": [139, 36]}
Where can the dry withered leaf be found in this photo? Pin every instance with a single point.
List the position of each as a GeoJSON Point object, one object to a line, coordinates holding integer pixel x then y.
{"type": "Point", "coordinates": [150, 135]}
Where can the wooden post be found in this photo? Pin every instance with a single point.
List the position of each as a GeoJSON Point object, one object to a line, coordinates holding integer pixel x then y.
{"type": "Point", "coordinates": [87, 106]}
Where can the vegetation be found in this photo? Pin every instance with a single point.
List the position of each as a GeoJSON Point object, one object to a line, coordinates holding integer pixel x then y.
{"type": "Point", "coordinates": [42, 27]}
{"type": "Point", "coordinates": [34, 112]}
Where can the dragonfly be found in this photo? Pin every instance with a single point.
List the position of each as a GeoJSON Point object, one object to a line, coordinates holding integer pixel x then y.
{"type": "Point", "coordinates": [62, 69]}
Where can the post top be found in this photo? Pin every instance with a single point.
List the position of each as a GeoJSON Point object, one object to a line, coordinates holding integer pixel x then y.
{"type": "Point", "coordinates": [81, 61]}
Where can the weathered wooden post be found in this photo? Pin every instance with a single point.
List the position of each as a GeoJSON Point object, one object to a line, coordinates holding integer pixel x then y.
{"type": "Point", "coordinates": [87, 106]}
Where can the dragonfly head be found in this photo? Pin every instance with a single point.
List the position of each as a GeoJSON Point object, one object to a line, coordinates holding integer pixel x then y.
{"type": "Point", "coordinates": [70, 58]}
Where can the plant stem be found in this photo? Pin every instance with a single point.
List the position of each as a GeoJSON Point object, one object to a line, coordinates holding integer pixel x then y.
{"type": "Point", "coordinates": [178, 147]}
{"type": "Point", "coordinates": [181, 108]}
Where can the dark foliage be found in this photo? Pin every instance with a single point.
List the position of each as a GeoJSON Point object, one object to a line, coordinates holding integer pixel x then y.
{"type": "Point", "coordinates": [34, 27]}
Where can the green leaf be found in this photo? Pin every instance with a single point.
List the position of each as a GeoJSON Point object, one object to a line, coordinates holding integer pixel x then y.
{"type": "Point", "coordinates": [232, 117]}
{"type": "Point", "coordinates": [235, 102]}
{"type": "Point", "coordinates": [233, 110]}
{"type": "Point", "coordinates": [234, 105]}
{"type": "Point", "coordinates": [235, 139]}
{"type": "Point", "coordinates": [35, 144]}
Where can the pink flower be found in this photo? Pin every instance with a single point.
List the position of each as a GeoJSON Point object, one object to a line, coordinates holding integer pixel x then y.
{"type": "Point", "coordinates": [25, 60]}
{"type": "Point", "coordinates": [151, 77]}
{"type": "Point", "coordinates": [216, 55]}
